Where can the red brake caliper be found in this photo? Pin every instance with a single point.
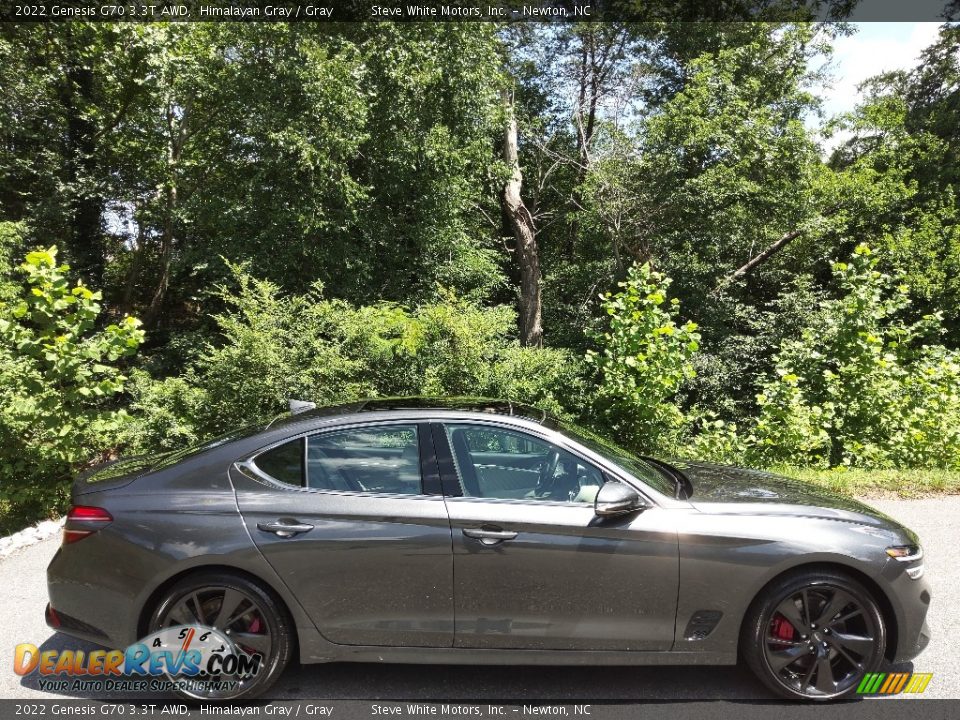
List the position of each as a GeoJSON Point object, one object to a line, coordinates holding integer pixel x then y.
{"type": "Point", "coordinates": [254, 627]}
{"type": "Point", "coordinates": [781, 629]}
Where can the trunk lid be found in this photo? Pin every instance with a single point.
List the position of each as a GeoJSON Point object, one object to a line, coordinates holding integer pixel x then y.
{"type": "Point", "coordinates": [115, 473]}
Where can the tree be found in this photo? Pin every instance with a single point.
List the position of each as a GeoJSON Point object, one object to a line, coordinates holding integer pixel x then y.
{"type": "Point", "coordinates": [520, 223]}
{"type": "Point", "coordinates": [568, 82]}
{"type": "Point", "coordinates": [905, 149]}
{"type": "Point", "coordinates": [66, 91]}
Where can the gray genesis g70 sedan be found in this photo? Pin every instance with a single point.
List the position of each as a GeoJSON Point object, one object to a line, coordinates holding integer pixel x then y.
{"type": "Point", "coordinates": [471, 531]}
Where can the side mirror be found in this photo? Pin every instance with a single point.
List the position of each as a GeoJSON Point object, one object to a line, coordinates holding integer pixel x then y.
{"type": "Point", "coordinates": [617, 499]}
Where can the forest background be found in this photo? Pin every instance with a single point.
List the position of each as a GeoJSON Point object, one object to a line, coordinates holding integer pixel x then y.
{"type": "Point", "coordinates": [654, 230]}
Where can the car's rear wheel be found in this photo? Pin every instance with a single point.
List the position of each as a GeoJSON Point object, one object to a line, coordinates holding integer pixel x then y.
{"type": "Point", "coordinates": [242, 610]}
{"type": "Point", "coordinates": [814, 635]}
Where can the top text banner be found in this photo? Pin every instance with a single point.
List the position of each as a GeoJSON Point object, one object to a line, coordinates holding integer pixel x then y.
{"type": "Point", "coordinates": [535, 11]}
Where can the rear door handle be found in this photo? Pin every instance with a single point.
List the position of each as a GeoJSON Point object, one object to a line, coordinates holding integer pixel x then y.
{"type": "Point", "coordinates": [284, 527]}
{"type": "Point", "coordinates": [489, 536]}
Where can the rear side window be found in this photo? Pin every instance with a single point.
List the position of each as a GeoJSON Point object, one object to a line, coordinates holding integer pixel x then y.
{"type": "Point", "coordinates": [284, 463]}
{"type": "Point", "coordinates": [381, 459]}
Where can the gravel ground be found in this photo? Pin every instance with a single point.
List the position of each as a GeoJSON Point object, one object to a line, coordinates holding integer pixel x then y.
{"type": "Point", "coordinates": [937, 520]}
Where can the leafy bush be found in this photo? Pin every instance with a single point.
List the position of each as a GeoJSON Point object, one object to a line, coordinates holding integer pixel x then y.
{"type": "Point", "coordinates": [643, 360]}
{"type": "Point", "coordinates": [11, 235]}
{"type": "Point", "coordinates": [861, 386]}
{"type": "Point", "coordinates": [58, 376]}
{"type": "Point", "coordinates": [709, 437]}
{"type": "Point", "coordinates": [273, 347]}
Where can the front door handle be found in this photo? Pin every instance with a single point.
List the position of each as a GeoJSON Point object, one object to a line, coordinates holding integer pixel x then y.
{"type": "Point", "coordinates": [489, 535]}
{"type": "Point", "coordinates": [285, 527]}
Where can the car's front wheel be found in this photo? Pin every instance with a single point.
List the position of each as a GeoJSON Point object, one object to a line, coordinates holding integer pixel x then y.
{"type": "Point", "coordinates": [814, 635]}
{"type": "Point", "coordinates": [247, 614]}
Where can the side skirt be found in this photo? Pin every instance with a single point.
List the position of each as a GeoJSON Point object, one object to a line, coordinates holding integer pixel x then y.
{"type": "Point", "coordinates": [484, 656]}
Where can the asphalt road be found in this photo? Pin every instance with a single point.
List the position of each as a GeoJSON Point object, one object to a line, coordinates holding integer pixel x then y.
{"type": "Point", "coordinates": [937, 521]}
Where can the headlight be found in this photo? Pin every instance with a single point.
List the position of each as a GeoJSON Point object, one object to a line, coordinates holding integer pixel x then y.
{"type": "Point", "coordinates": [905, 553]}
{"type": "Point", "coordinates": [908, 553]}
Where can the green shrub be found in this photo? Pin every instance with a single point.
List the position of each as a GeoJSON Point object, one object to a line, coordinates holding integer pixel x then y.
{"type": "Point", "coordinates": [860, 386]}
{"type": "Point", "coordinates": [709, 437]}
{"type": "Point", "coordinates": [11, 237]}
{"type": "Point", "coordinates": [58, 379]}
{"type": "Point", "coordinates": [273, 347]}
{"type": "Point", "coordinates": [644, 358]}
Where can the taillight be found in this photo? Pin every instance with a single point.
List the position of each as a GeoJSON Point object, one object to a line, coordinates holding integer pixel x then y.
{"type": "Point", "coordinates": [53, 620]}
{"type": "Point", "coordinates": [84, 520]}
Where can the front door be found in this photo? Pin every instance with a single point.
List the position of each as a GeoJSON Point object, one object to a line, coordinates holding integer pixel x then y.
{"type": "Point", "coordinates": [343, 518]}
{"type": "Point", "coordinates": [534, 567]}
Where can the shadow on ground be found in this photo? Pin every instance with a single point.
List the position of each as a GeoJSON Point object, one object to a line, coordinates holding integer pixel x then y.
{"type": "Point", "coordinates": [517, 684]}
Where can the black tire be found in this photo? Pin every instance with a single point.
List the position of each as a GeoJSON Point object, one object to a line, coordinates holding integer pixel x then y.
{"type": "Point", "coordinates": [266, 606]}
{"type": "Point", "coordinates": [804, 660]}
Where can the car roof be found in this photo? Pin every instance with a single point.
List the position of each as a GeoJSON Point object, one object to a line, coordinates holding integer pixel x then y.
{"type": "Point", "coordinates": [417, 403]}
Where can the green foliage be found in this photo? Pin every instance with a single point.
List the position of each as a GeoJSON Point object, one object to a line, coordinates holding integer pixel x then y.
{"type": "Point", "coordinates": [861, 386]}
{"type": "Point", "coordinates": [11, 236]}
{"type": "Point", "coordinates": [643, 360]}
{"type": "Point", "coordinates": [904, 152]}
{"type": "Point", "coordinates": [709, 437]}
{"type": "Point", "coordinates": [273, 347]}
{"type": "Point", "coordinates": [58, 376]}
{"type": "Point", "coordinates": [353, 168]}
{"type": "Point", "coordinates": [719, 169]}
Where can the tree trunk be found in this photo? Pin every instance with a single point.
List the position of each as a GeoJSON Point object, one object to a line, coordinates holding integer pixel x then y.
{"type": "Point", "coordinates": [524, 232]}
{"type": "Point", "coordinates": [136, 263]}
{"type": "Point", "coordinates": [86, 205]}
{"type": "Point", "coordinates": [175, 142]}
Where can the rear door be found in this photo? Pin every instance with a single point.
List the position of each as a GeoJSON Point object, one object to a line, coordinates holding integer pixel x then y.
{"type": "Point", "coordinates": [353, 522]}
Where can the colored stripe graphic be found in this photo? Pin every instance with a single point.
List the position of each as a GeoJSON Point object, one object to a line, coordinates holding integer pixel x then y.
{"type": "Point", "coordinates": [918, 683]}
{"type": "Point", "coordinates": [899, 686]}
{"type": "Point", "coordinates": [892, 680]}
{"type": "Point", "coordinates": [875, 685]}
{"type": "Point", "coordinates": [893, 683]}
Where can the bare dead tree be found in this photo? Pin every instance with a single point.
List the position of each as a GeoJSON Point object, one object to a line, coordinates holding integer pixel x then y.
{"type": "Point", "coordinates": [523, 229]}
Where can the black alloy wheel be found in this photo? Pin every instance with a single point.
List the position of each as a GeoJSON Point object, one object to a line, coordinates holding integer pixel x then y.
{"type": "Point", "coordinates": [243, 611]}
{"type": "Point", "coordinates": [813, 636]}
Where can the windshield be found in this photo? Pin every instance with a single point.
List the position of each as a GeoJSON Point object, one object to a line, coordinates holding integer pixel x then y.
{"type": "Point", "coordinates": [631, 463]}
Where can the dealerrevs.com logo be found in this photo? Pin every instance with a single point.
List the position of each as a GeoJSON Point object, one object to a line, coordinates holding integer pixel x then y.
{"type": "Point", "coordinates": [191, 658]}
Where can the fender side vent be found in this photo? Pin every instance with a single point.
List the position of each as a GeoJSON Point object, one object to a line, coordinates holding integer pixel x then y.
{"type": "Point", "coordinates": [702, 624]}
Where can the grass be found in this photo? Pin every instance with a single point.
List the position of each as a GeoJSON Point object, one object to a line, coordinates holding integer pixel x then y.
{"type": "Point", "coordinates": [907, 483]}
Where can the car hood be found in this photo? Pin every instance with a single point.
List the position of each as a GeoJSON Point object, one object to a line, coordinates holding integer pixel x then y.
{"type": "Point", "coordinates": [728, 489]}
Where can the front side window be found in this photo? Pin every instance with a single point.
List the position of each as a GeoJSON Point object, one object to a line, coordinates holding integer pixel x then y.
{"type": "Point", "coordinates": [632, 463]}
{"type": "Point", "coordinates": [498, 463]}
{"type": "Point", "coordinates": [382, 459]}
